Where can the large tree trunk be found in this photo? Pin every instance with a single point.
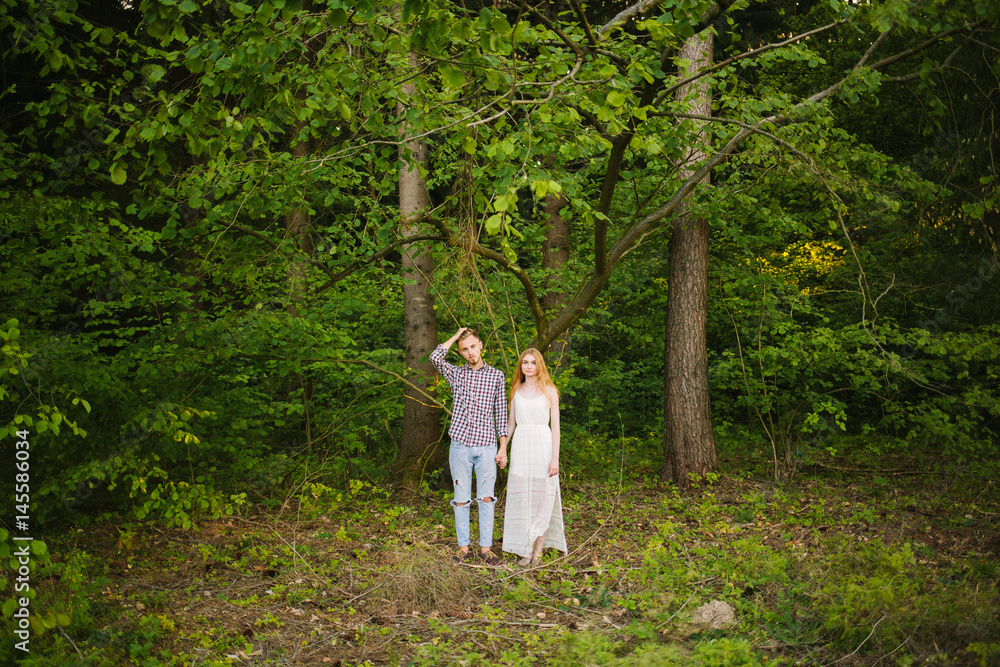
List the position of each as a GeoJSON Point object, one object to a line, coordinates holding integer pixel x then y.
{"type": "Point", "coordinates": [688, 443]}
{"type": "Point", "coordinates": [421, 422]}
{"type": "Point", "coordinates": [555, 254]}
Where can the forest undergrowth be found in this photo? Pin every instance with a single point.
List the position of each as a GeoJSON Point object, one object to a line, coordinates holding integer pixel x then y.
{"type": "Point", "coordinates": [845, 567]}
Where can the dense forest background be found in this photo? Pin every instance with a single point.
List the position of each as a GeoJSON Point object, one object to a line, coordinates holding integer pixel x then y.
{"type": "Point", "coordinates": [763, 232]}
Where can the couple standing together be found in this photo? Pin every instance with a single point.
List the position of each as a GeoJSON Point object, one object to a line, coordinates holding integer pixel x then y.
{"type": "Point", "coordinates": [480, 416]}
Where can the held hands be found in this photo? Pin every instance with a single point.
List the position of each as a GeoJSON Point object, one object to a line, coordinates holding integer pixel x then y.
{"type": "Point", "coordinates": [501, 459]}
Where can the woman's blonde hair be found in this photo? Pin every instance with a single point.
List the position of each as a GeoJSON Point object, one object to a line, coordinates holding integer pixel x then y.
{"type": "Point", "coordinates": [544, 381]}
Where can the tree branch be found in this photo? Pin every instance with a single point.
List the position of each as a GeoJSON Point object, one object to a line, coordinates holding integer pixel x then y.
{"type": "Point", "coordinates": [343, 273]}
{"type": "Point", "coordinates": [434, 401]}
{"type": "Point", "coordinates": [583, 21]}
{"type": "Point", "coordinates": [927, 43]}
{"type": "Point", "coordinates": [534, 303]}
{"type": "Point", "coordinates": [943, 66]}
{"type": "Point", "coordinates": [871, 49]}
{"type": "Point", "coordinates": [576, 48]}
{"type": "Point", "coordinates": [717, 10]}
{"type": "Point", "coordinates": [639, 8]}
{"type": "Point", "coordinates": [337, 276]}
{"type": "Point", "coordinates": [743, 56]}
{"type": "Point", "coordinates": [603, 265]}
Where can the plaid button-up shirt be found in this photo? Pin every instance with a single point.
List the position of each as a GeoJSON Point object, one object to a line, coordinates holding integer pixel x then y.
{"type": "Point", "coordinates": [479, 410]}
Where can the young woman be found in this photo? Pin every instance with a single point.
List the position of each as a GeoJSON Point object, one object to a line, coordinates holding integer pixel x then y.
{"type": "Point", "coordinates": [533, 514]}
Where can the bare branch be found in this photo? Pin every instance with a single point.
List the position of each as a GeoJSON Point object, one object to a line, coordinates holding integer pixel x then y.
{"type": "Point", "coordinates": [717, 10]}
{"type": "Point", "coordinates": [552, 85]}
{"type": "Point", "coordinates": [927, 43]}
{"type": "Point", "coordinates": [337, 276]}
{"type": "Point", "coordinates": [743, 56]}
{"type": "Point", "coordinates": [639, 8]}
{"type": "Point", "coordinates": [584, 22]}
{"type": "Point", "coordinates": [266, 357]}
{"type": "Point", "coordinates": [940, 68]}
{"type": "Point", "coordinates": [343, 273]}
{"type": "Point", "coordinates": [871, 49]}
{"type": "Point", "coordinates": [567, 40]}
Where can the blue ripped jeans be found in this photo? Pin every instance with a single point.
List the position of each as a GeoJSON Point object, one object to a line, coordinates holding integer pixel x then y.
{"type": "Point", "coordinates": [463, 461]}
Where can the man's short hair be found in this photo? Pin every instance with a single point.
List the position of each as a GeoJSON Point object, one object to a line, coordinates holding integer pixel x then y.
{"type": "Point", "coordinates": [467, 333]}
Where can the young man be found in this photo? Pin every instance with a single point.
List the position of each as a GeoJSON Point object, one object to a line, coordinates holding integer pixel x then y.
{"type": "Point", "coordinates": [478, 420]}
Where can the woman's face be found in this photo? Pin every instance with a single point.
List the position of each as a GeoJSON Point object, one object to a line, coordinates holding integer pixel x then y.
{"type": "Point", "coordinates": [529, 366]}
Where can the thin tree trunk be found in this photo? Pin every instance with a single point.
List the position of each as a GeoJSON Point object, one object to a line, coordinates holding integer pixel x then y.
{"type": "Point", "coordinates": [298, 226]}
{"type": "Point", "coordinates": [555, 254]}
{"type": "Point", "coordinates": [421, 422]}
{"type": "Point", "coordinates": [688, 442]}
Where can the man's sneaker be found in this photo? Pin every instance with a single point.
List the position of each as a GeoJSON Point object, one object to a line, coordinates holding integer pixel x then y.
{"type": "Point", "coordinates": [489, 558]}
{"type": "Point", "coordinates": [462, 557]}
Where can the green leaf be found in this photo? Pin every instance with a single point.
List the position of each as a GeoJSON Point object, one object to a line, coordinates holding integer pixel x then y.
{"type": "Point", "coordinates": [504, 202]}
{"type": "Point", "coordinates": [452, 76]}
{"type": "Point", "coordinates": [337, 17]}
{"type": "Point", "coordinates": [188, 7]}
{"type": "Point", "coordinates": [9, 607]}
{"type": "Point", "coordinates": [155, 73]}
{"type": "Point", "coordinates": [118, 175]}
{"type": "Point", "coordinates": [411, 7]}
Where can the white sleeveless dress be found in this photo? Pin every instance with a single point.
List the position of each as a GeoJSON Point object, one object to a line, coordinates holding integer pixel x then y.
{"type": "Point", "coordinates": [534, 504]}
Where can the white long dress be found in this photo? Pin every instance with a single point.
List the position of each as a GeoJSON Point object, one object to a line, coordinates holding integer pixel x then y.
{"type": "Point", "coordinates": [534, 504]}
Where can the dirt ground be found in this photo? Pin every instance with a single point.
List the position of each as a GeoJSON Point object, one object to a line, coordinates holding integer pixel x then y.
{"type": "Point", "coordinates": [373, 581]}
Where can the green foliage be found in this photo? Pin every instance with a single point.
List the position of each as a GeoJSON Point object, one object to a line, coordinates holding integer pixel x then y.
{"type": "Point", "coordinates": [804, 383]}
{"type": "Point", "coordinates": [888, 601]}
{"type": "Point", "coordinates": [15, 387]}
{"type": "Point", "coordinates": [201, 256]}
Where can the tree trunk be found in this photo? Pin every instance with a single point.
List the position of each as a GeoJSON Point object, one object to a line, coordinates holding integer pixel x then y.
{"type": "Point", "coordinates": [688, 443]}
{"type": "Point", "coordinates": [555, 254]}
{"type": "Point", "coordinates": [421, 422]}
{"type": "Point", "coordinates": [298, 226]}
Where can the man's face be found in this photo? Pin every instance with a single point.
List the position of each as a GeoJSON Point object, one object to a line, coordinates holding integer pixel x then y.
{"type": "Point", "coordinates": [471, 349]}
